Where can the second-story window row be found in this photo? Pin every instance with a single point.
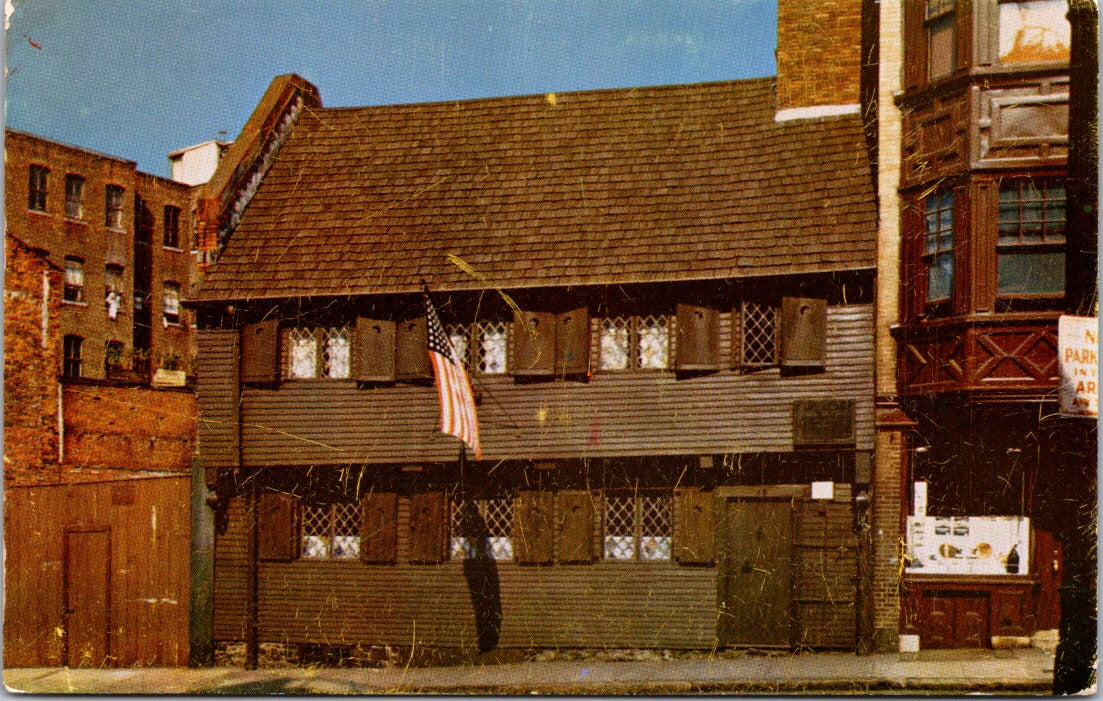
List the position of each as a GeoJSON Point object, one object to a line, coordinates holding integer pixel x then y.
{"type": "Point", "coordinates": [113, 207]}
{"type": "Point", "coordinates": [938, 245]}
{"type": "Point", "coordinates": [317, 352]}
{"type": "Point", "coordinates": [1031, 238]}
{"type": "Point", "coordinates": [38, 188]}
{"type": "Point", "coordinates": [74, 196]}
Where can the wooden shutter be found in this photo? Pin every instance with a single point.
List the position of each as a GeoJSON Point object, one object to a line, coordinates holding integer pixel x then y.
{"type": "Point", "coordinates": [260, 357]}
{"type": "Point", "coordinates": [378, 526]}
{"type": "Point", "coordinates": [574, 516]}
{"type": "Point", "coordinates": [373, 349]}
{"type": "Point", "coordinates": [278, 526]}
{"type": "Point", "coordinates": [533, 344]}
{"type": "Point", "coordinates": [698, 346]}
{"type": "Point", "coordinates": [572, 342]}
{"type": "Point", "coordinates": [803, 330]}
{"type": "Point", "coordinates": [427, 527]}
{"type": "Point", "coordinates": [533, 527]}
{"type": "Point", "coordinates": [412, 350]}
{"type": "Point", "coordinates": [694, 539]}
{"type": "Point", "coordinates": [915, 44]}
{"type": "Point", "coordinates": [823, 422]}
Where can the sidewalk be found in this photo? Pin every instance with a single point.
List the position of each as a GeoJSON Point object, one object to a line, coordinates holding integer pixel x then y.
{"type": "Point", "coordinates": [1025, 670]}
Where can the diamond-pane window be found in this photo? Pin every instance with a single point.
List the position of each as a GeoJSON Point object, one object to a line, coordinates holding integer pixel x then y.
{"type": "Point", "coordinates": [636, 343]}
{"type": "Point", "coordinates": [654, 343]}
{"type": "Point", "coordinates": [638, 526]}
{"type": "Point", "coordinates": [331, 531]}
{"type": "Point", "coordinates": [336, 352]}
{"type": "Point", "coordinates": [482, 528]}
{"type": "Point", "coordinates": [759, 334]}
{"type": "Point", "coordinates": [615, 339]}
{"type": "Point", "coordinates": [492, 347]}
{"type": "Point", "coordinates": [457, 335]}
{"type": "Point", "coordinates": [302, 351]}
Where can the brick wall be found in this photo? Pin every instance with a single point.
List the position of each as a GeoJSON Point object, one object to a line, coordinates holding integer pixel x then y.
{"type": "Point", "coordinates": [818, 52]}
{"type": "Point", "coordinates": [887, 536]}
{"type": "Point", "coordinates": [31, 359]}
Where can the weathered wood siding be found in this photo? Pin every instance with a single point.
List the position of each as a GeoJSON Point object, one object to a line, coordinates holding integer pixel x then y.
{"type": "Point", "coordinates": [149, 530]}
{"type": "Point", "coordinates": [218, 397]}
{"type": "Point", "coordinates": [614, 414]}
{"type": "Point", "coordinates": [602, 604]}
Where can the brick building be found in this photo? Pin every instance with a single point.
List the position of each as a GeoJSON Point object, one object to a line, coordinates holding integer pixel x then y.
{"type": "Point", "coordinates": [99, 421]}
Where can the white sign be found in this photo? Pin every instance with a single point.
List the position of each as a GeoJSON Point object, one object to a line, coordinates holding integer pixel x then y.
{"type": "Point", "coordinates": [919, 490]}
{"type": "Point", "coordinates": [823, 490]}
{"type": "Point", "coordinates": [1078, 365]}
{"type": "Point", "coordinates": [968, 545]}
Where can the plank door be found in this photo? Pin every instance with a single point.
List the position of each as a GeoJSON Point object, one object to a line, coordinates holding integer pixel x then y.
{"type": "Point", "coordinates": [754, 580]}
{"type": "Point", "coordinates": [87, 582]}
{"type": "Point", "coordinates": [953, 619]}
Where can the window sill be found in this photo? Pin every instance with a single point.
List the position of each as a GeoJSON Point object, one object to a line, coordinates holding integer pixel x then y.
{"type": "Point", "coordinates": [40, 213]}
{"type": "Point", "coordinates": [115, 230]}
{"type": "Point", "coordinates": [73, 220]}
{"type": "Point", "coordinates": [74, 303]}
{"type": "Point", "coordinates": [172, 249]}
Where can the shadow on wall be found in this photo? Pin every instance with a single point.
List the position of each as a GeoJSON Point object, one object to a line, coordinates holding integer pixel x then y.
{"type": "Point", "coordinates": [481, 572]}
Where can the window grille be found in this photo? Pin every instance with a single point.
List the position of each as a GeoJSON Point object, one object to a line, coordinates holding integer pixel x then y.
{"type": "Point", "coordinates": [491, 346]}
{"type": "Point", "coordinates": [759, 334]}
{"type": "Point", "coordinates": [74, 196]}
{"type": "Point", "coordinates": [335, 355]}
{"type": "Point", "coordinates": [638, 526]}
{"type": "Point", "coordinates": [331, 531]}
{"type": "Point", "coordinates": [457, 335]}
{"type": "Point", "coordinates": [636, 343]}
{"type": "Point", "coordinates": [1031, 246]}
{"type": "Point", "coordinates": [302, 351]}
{"type": "Point", "coordinates": [74, 280]}
{"type": "Point", "coordinates": [938, 245]}
{"type": "Point", "coordinates": [311, 352]}
{"type": "Point", "coordinates": [37, 196]}
{"type": "Point", "coordinates": [113, 207]}
{"type": "Point", "coordinates": [482, 528]}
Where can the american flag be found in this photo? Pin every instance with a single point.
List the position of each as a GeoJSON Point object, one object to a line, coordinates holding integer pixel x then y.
{"type": "Point", "coordinates": [457, 405]}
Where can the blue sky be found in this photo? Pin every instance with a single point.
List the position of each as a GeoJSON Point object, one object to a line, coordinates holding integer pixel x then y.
{"type": "Point", "coordinates": [140, 78]}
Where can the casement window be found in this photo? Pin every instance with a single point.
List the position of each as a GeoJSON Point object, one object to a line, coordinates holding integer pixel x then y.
{"type": "Point", "coordinates": [638, 525]}
{"type": "Point", "coordinates": [113, 352]}
{"type": "Point", "coordinates": [172, 227]}
{"type": "Point", "coordinates": [757, 334]}
{"type": "Point", "coordinates": [636, 342]}
{"type": "Point", "coordinates": [317, 352]}
{"type": "Point", "coordinates": [36, 200]}
{"type": "Point", "coordinates": [941, 38]}
{"type": "Point", "coordinates": [1031, 245]}
{"type": "Point", "coordinates": [482, 346]}
{"type": "Point", "coordinates": [938, 245]}
{"type": "Point", "coordinates": [73, 290]}
{"type": "Point", "coordinates": [1034, 31]}
{"type": "Point", "coordinates": [71, 352]}
{"type": "Point", "coordinates": [331, 531]}
{"type": "Point", "coordinates": [482, 528]}
{"type": "Point", "coordinates": [170, 303]}
{"type": "Point", "coordinates": [113, 207]}
{"type": "Point", "coordinates": [113, 289]}
{"type": "Point", "coordinates": [74, 196]}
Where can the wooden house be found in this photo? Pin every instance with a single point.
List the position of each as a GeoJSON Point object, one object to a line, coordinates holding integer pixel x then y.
{"type": "Point", "coordinates": [664, 300]}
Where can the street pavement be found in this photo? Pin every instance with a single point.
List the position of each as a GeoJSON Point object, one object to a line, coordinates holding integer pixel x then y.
{"type": "Point", "coordinates": [943, 672]}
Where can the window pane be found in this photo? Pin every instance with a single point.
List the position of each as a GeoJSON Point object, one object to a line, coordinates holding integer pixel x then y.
{"type": "Point", "coordinates": [346, 530]}
{"type": "Point", "coordinates": [759, 347]}
{"type": "Point", "coordinates": [337, 353]}
{"type": "Point", "coordinates": [315, 534]}
{"type": "Point", "coordinates": [941, 47]}
{"type": "Point", "coordinates": [654, 343]}
{"type": "Point", "coordinates": [940, 277]}
{"type": "Point", "coordinates": [1032, 272]}
{"type": "Point", "coordinates": [1033, 31]}
{"type": "Point", "coordinates": [655, 528]}
{"type": "Point", "coordinates": [614, 344]}
{"type": "Point", "coordinates": [620, 513]}
{"type": "Point", "coordinates": [457, 334]}
{"type": "Point", "coordinates": [303, 352]}
{"type": "Point", "coordinates": [492, 347]}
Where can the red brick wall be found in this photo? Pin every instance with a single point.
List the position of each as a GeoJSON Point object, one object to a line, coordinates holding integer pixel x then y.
{"type": "Point", "coordinates": [30, 365]}
{"type": "Point", "coordinates": [891, 459]}
{"type": "Point", "coordinates": [818, 52]}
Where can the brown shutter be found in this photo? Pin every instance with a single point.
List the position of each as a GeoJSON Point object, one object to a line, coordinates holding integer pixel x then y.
{"type": "Point", "coordinates": [412, 350]}
{"type": "Point", "coordinates": [260, 358]}
{"type": "Point", "coordinates": [915, 44]}
{"type": "Point", "coordinates": [378, 526]}
{"type": "Point", "coordinates": [533, 532]}
{"type": "Point", "coordinates": [694, 539]}
{"type": "Point", "coordinates": [574, 516]}
{"type": "Point", "coordinates": [572, 344]}
{"type": "Point", "coordinates": [698, 346]}
{"type": "Point", "coordinates": [427, 527]}
{"type": "Point", "coordinates": [278, 526]}
{"type": "Point", "coordinates": [533, 344]}
{"type": "Point", "coordinates": [803, 329]}
{"type": "Point", "coordinates": [374, 350]}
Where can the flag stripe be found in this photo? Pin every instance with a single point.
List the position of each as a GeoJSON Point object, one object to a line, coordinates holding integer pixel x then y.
{"type": "Point", "coordinates": [457, 403]}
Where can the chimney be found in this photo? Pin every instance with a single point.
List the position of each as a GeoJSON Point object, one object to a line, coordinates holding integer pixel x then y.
{"type": "Point", "coordinates": [819, 57]}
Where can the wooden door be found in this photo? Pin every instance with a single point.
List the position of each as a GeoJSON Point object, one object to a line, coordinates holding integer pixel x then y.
{"type": "Point", "coordinates": [87, 582]}
{"type": "Point", "coordinates": [953, 619]}
{"type": "Point", "coordinates": [754, 581]}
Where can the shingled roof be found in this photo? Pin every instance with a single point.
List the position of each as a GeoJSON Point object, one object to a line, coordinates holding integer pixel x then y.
{"type": "Point", "coordinates": [684, 182]}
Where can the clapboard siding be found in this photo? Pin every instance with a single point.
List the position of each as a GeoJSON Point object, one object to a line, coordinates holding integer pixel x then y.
{"type": "Point", "coordinates": [149, 525]}
{"type": "Point", "coordinates": [614, 414]}
{"type": "Point", "coordinates": [217, 395]}
{"type": "Point", "coordinates": [230, 575]}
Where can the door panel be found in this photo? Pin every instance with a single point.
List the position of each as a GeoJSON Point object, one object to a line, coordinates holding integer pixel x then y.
{"type": "Point", "coordinates": [87, 581]}
{"type": "Point", "coordinates": [754, 575]}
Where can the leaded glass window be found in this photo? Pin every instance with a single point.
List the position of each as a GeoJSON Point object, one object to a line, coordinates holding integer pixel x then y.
{"type": "Point", "coordinates": [317, 353]}
{"type": "Point", "coordinates": [335, 354]}
{"type": "Point", "coordinates": [482, 528]}
{"type": "Point", "coordinates": [638, 526]}
{"type": "Point", "coordinates": [758, 334]}
{"type": "Point", "coordinates": [636, 343]}
{"type": "Point", "coordinates": [302, 351]}
{"type": "Point", "coordinates": [491, 338]}
{"type": "Point", "coordinates": [457, 335]}
{"type": "Point", "coordinates": [331, 531]}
